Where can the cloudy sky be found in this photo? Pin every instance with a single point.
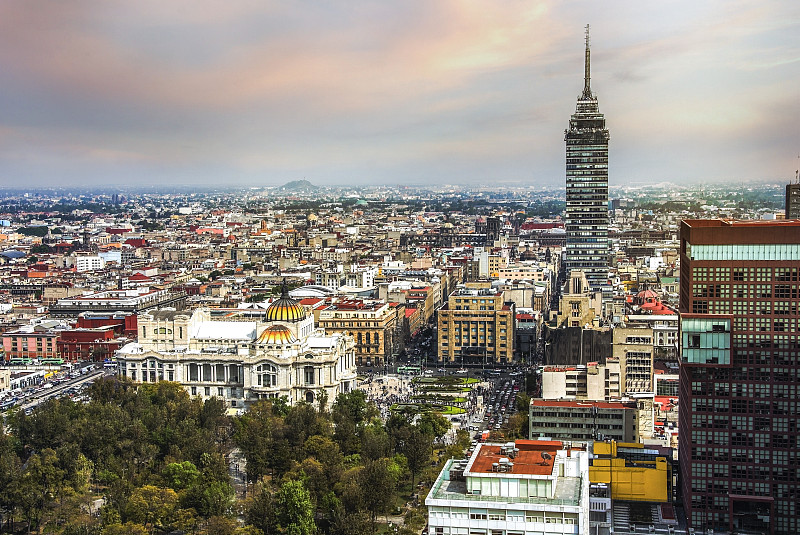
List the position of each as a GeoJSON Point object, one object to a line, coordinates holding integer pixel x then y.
{"type": "Point", "coordinates": [390, 92]}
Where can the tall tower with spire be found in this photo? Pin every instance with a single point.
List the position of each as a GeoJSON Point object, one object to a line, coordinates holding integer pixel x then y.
{"type": "Point", "coordinates": [587, 186]}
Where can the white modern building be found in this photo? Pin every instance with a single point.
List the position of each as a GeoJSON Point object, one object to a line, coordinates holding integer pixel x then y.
{"type": "Point", "coordinates": [89, 263]}
{"type": "Point", "coordinates": [595, 381]}
{"type": "Point", "coordinates": [527, 487]}
{"type": "Point", "coordinates": [244, 356]}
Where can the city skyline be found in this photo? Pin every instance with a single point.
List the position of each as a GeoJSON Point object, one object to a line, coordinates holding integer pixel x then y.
{"type": "Point", "coordinates": [244, 94]}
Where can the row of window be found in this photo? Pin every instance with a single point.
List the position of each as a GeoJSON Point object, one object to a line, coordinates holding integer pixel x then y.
{"type": "Point", "coordinates": [545, 517]}
{"type": "Point", "coordinates": [347, 324]}
{"type": "Point", "coordinates": [583, 415]}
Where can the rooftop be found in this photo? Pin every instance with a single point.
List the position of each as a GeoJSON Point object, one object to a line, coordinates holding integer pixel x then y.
{"type": "Point", "coordinates": [451, 485]}
{"type": "Point", "coordinates": [582, 404]}
{"type": "Point", "coordinates": [696, 223]}
{"type": "Point", "coordinates": [534, 457]}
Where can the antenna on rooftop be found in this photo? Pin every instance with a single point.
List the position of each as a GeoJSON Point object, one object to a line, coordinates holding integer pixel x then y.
{"type": "Point", "coordinates": [545, 457]}
{"type": "Point", "coordinates": [587, 91]}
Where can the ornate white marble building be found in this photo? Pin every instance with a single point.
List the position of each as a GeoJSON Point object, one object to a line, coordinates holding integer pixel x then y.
{"type": "Point", "coordinates": [244, 356]}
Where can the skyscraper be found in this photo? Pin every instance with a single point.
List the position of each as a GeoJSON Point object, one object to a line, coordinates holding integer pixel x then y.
{"type": "Point", "coordinates": [792, 201]}
{"type": "Point", "coordinates": [587, 187]}
{"type": "Point", "coordinates": [739, 442]}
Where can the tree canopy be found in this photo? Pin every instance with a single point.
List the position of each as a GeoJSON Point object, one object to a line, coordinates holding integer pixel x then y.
{"type": "Point", "coordinates": [151, 459]}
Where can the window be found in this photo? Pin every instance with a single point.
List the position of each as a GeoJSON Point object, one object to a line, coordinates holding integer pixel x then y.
{"type": "Point", "coordinates": [267, 375]}
{"type": "Point", "coordinates": [309, 375]}
{"type": "Point", "coordinates": [534, 516]}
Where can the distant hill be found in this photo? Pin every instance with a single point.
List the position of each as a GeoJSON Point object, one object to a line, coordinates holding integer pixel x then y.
{"type": "Point", "coordinates": [298, 185]}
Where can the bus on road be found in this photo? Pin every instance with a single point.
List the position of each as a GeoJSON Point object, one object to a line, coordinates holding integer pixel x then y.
{"type": "Point", "coordinates": [409, 370]}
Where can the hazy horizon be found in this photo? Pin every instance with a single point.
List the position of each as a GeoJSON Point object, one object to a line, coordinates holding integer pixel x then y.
{"type": "Point", "coordinates": [447, 92]}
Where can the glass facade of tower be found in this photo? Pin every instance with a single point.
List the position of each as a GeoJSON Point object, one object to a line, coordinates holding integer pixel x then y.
{"type": "Point", "coordinates": [739, 442]}
{"type": "Point", "coordinates": [587, 190]}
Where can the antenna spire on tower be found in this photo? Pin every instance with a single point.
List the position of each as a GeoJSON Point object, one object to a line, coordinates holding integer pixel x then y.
{"type": "Point", "coordinates": [587, 90]}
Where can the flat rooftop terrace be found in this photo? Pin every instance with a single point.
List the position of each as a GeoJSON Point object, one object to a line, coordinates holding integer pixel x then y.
{"type": "Point", "coordinates": [528, 460]}
{"type": "Point", "coordinates": [567, 491]}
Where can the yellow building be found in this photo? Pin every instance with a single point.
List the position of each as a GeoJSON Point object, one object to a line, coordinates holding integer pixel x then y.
{"type": "Point", "coordinates": [476, 326]}
{"type": "Point", "coordinates": [373, 325]}
{"type": "Point", "coordinates": [496, 263]}
{"type": "Point", "coordinates": [633, 472]}
{"type": "Point", "coordinates": [579, 306]}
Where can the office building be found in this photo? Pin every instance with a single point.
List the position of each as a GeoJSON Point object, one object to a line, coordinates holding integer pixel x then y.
{"type": "Point", "coordinates": [593, 382]}
{"type": "Point", "coordinates": [583, 421]}
{"type": "Point", "coordinates": [587, 187]}
{"type": "Point", "coordinates": [739, 443]}
{"type": "Point", "coordinates": [792, 201]}
{"type": "Point", "coordinates": [373, 325]}
{"type": "Point", "coordinates": [633, 347]}
{"type": "Point", "coordinates": [517, 488]}
{"type": "Point", "coordinates": [476, 326]}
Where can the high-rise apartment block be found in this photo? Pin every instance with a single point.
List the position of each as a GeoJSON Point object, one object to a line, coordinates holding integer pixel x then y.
{"type": "Point", "coordinates": [587, 187]}
{"type": "Point", "coordinates": [739, 441]}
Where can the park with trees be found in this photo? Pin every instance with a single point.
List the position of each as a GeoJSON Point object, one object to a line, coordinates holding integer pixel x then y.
{"type": "Point", "coordinates": [150, 459]}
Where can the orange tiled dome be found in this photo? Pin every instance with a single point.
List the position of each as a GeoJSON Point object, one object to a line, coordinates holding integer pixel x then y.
{"type": "Point", "coordinates": [285, 308]}
{"type": "Point", "coordinates": [277, 334]}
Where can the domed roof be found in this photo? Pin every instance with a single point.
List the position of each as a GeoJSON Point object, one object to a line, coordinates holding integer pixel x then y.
{"type": "Point", "coordinates": [647, 294]}
{"type": "Point", "coordinates": [276, 334]}
{"type": "Point", "coordinates": [285, 308]}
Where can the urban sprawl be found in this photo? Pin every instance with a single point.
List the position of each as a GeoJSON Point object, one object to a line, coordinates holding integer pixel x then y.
{"type": "Point", "coordinates": [441, 359]}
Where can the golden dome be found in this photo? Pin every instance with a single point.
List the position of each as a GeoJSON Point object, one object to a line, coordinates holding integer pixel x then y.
{"type": "Point", "coordinates": [277, 334]}
{"type": "Point", "coordinates": [285, 308]}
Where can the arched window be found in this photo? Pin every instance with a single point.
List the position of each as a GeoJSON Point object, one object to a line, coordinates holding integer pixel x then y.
{"type": "Point", "coordinates": [267, 375]}
{"type": "Point", "coordinates": [310, 396]}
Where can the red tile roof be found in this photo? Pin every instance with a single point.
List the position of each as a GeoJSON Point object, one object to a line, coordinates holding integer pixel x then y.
{"type": "Point", "coordinates": [529, 459]}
